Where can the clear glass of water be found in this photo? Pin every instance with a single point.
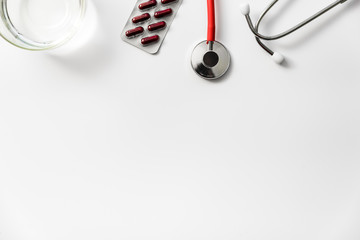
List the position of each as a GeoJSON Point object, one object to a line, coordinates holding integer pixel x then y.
{"type": "Point", "coordinates": [40, 24]}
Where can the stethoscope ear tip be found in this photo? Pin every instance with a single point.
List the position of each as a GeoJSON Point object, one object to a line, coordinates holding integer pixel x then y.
{"type": "Point", "coordinates": [245, 9]}
{"type": "Point", "coordinates": [278, 58]}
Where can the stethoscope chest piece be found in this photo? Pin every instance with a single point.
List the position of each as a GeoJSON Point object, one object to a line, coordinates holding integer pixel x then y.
{"type": "Point", "coordinates": [210, 60]}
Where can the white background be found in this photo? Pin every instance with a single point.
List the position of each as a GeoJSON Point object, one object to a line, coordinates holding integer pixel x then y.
{"type": "Point", "coordinates": [112, 143]}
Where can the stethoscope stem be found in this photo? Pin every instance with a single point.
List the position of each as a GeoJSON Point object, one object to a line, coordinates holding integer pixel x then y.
{"type": "Point", "coordinates": [210, 45]}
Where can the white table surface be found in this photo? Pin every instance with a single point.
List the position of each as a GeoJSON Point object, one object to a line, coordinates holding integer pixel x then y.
{"type": "Point", "coordinates": [112, 143]}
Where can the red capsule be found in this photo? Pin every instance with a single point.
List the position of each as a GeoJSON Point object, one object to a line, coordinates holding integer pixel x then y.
{"type": "Point", "coordinates": [134, 32]}
{"type": "Point", "coordinates": [148, 4]}
{"type": "Point", "coordinates": [150, 39]}
{"type": "Point", "coordinates": [141, 18]}
{"type": "Point", "coordinates": [167, 1]}
{"type": "Point", "coordinates": [156, 26]}
{"type": "Point", "coordinates": [163, 13]}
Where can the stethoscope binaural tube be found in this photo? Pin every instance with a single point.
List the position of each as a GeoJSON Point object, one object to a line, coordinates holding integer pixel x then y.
{"type": "Point", "coordinates": [277, 57]}
{"type": "Point", "coordinates": [210, 59]}
{"type": "Point", "coordinates": [211, 21]}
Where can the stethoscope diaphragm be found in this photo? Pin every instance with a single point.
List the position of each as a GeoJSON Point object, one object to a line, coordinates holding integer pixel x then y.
{"type": "Point", "coordinates": [210, 60]}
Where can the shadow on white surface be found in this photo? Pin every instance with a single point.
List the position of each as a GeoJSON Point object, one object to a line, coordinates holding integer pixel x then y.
{"type": "Point", "coordinates": [89, 50]}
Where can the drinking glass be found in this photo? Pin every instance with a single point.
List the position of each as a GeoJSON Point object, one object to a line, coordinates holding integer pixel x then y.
{"type": "Point", "coordinates": [40, 24]}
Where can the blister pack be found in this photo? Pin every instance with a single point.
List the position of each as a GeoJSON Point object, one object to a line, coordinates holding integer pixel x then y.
{"type": "Point", "coordinates": [149, 23]}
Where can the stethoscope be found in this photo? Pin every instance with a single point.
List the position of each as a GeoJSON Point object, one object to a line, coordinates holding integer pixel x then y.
{"type": "Point", "coordinates": [277, 57]}
{"type": "Point", "coordinates": [210, 59]}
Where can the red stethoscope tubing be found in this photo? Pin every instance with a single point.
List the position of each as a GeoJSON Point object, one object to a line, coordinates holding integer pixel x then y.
{"type": "Point", "coordinates": [211, 21]}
